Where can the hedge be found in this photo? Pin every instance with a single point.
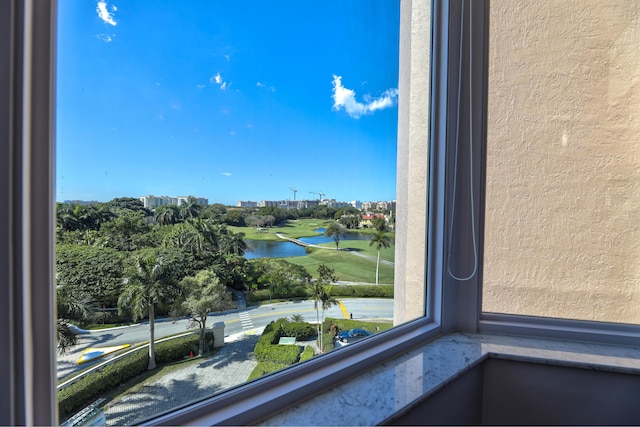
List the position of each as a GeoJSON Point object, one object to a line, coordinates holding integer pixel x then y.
{"type": "Point", "coordinates": [264, 368]}
{"type": "Point", "coordinates": [299, 330]}
{"type": "Point", "coordinates": [363, 291]}
{"type": "Point", "coordinates": [267, 350]}
{"type": "Point", "coordinates": [359, 291]}
{"type": "Point", "coordinates": [88, 388]}
{"type": "Point", "coordinates": [307, 354]}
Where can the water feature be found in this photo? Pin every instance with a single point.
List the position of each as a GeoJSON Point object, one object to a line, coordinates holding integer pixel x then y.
{"type": "Point", "coordinates": [273, 249]}
{"type": "Point", "coordinates": [284, 249]}
{"type": "Point", "coordinates": [318, 240]}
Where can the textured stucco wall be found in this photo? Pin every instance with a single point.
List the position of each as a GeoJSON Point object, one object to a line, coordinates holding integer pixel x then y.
{"type": "Point", "coordinates": [411, 187]}
{"type": "Point", "coordinates": [562, 229]}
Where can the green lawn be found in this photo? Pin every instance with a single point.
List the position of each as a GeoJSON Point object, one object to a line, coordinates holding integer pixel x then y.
{"type": "Point", "coordinates": [362, 246]}
{"type": "Point", "coordinates": [348, 267]}
{"type": "Point", "coordinates": [293, 228]}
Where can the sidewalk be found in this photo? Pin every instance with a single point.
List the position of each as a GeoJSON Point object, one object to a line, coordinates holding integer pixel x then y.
{"type": "Point", "coordinates": [230, 366]}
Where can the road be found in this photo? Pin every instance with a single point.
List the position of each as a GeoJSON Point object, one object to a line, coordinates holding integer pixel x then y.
{"type": "Point", "coordinates": [235, 322]}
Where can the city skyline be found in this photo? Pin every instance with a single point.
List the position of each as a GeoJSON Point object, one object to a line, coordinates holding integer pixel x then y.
{"type": "Point", "coordinates": [210, 98]}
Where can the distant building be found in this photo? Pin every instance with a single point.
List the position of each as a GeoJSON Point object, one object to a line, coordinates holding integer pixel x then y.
{"type": "Point", "coordinates": [333, 203]}
{"type": "Point", "coordinates": [367, 219]}
{"type": "Point", "coordinates": [152, 202]}
{"type": "Point", "coordinates": [356, 204]}
{"type": "Point", "coordinates": [270, 203]}
{"type": "Point", "coordinates": [368, 206]}
{"type": "Point", "coordinates": [247, 204]}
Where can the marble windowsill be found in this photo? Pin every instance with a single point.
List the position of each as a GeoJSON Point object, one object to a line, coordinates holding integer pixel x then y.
{"type": "Point", "coordinates": [381, 392]}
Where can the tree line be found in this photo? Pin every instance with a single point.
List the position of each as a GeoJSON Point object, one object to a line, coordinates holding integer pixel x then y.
{"type": "Point", "coordinates": [120, 262]}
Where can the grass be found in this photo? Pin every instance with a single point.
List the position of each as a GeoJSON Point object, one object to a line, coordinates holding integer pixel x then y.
{"type": "Point", "coordinates": [347, 324]}
{"type": "Point", "coordinates": [348, 267]}
{"type": "Point", "coordinates": [362, 246]}
{"type": "Point", "coordinates": [98, 326]}
{"type": "Point", "coordinates": [292, 228]}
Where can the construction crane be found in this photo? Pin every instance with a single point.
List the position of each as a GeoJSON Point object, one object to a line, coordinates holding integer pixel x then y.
{"type": "Point", "coordinates": [294, 192]}
{"type": "Point", "coordinates": [319, 193]}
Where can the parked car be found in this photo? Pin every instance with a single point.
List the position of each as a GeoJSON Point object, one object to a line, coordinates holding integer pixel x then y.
{"type": "Point", "coordinates": [347, 337]}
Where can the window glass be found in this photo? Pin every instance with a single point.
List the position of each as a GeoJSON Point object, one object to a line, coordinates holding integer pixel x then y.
{"type": "Point", "coordinates": [563, 160]}
{"type": "Point", "coordinates": [194, 142]}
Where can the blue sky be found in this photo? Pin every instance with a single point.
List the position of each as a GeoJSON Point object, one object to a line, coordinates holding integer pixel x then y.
{"type": "Point", "coordinates": [229, 100]}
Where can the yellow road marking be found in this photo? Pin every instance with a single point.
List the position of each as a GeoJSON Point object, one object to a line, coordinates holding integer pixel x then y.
{"type": "Point", "coordinates": [345, 313]}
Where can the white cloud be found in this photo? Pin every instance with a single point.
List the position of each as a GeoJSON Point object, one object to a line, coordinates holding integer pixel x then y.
{"type": "Point", "coordinates": [217, 79]}
{"type": "Point", "coordinates": [200, 86]}
{"type": "Point", "coordinates": [270, 88]}
{"type": "Point", "coordinates": [225, 173]}
{"type": "Point", "coordinates": [104, 14]}
{"type": "Point", "coordinates": [346, 98]}
{"type": "Point", "coordinates": [107, 38]}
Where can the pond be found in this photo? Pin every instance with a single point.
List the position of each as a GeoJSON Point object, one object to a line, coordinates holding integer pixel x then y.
{"type": "Point", "coordinates": [273, 249]}
{"type": "Point", "coordinates": [283, 249]}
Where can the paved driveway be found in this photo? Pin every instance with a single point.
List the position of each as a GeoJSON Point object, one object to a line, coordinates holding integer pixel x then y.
{"type": "Point", "coordinates": [230, 366]}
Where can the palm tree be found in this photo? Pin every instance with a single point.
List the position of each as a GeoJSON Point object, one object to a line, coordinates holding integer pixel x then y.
{"type": "Point", "coordinates": [321, 300]}
{"type": "Point", "coordinates": [210, 232]}
{"type": "Point", "coordinates": [381, 240]}
{"type": "Point", "coordinates": [191, 209]}
{"type": "Point", "coordinates": [297, 318]}
{"type": "Point", "coordinates": [167, 215]}
{"type": "Point", "coordinates": [185, 236]}
{"type": "Point", "coordinates": [337, 231]}
{"type": "Point", "coordinates": [70, 309]}
{"type": "Point", "coordinates": [147, 284]}
{"type": "Point", "coordinates": [233, 244]}
{"type": "Point", "coordinates": [317, 291]}
{"type": "Point", "coordinates": [327, 303]}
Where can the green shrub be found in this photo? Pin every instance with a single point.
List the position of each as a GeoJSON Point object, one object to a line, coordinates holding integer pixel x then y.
{"type": "Point", "coordinates": [259, 295]}
{"type": "Point", "coordinates": [287, 354]}
{"type": "Point", "coordinates": [307, 354]}
{"type": "Point", "coordinates": [300, 330]}
{"type": "Point", "coordinates": [178, 348]}
{"type": "Point", "coordinates": [363, 291]}
{"type": "Point", "coordinates": [264, 368]}
{"type": "Point", "coordinates": [268, 350]}
{"type": "Point", "coordinates": [301, 291]}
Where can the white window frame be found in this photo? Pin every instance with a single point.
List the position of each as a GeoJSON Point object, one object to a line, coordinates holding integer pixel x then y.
{"type": "Point", "coordinates": [429, 117]}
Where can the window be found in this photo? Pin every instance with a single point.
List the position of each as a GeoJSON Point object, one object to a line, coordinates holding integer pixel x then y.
{"type": "Point", "coordinates": [84, 44]}
{"type": "Point", "coordinates": [27, 116]}
{"type": "Point", "coordinates": [459, 46]}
